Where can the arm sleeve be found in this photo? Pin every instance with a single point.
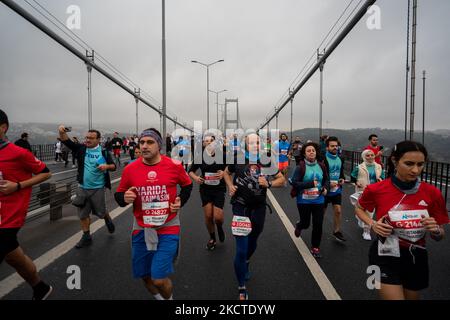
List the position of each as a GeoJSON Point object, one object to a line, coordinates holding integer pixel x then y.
{"type": "Point", "coordinates": [124, 185]}
{"type": "Point", "coordinates": [34, 165]}
{"type": "Point", "coordinates": [72, 145]}
{"type": "Point", "coordinates": [367, 201]}
{"type": "Point", "coordinates": [438, 209]}
{"type": "Point", "coordinates": [342, 175]}
{"type": "Point", "coordinates": [185, 194]}
{"type": "Point", "coordinates": [109, 160]}
{"type": "Point", "coordinates": [300, 185]}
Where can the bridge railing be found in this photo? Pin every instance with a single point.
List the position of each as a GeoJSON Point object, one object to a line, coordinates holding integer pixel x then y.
{"type": "Point", "coordinates": [435, 173]}
{"type": "Point", "coordinates": [44, 152]}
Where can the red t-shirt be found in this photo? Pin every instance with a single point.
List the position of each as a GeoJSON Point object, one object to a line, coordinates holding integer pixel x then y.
{"type": "Point", "coordinates": [384, 197]}
{"type": "Point", "coordinates": [156, 189]}
{"type": "Point", "coordinates": [16, 164]}
{"type": "Point", "coordinates": [375, 150]}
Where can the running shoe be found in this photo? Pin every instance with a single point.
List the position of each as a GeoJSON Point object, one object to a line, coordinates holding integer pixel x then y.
{"type": "Point", "coordinates": [316, 253]}
{"type": "Point", "coordinates": [211, 245]}
{"type": "Point", "coordinates": [42, 291]}
{"type": "Point", "coordinates": [84, 242]}
{"type": "Point", "coordinates": [243, 294]}
{"type": "Point", "coordinates": [297, 231]}
{"type": "Point", "coordinates": [339, 236]}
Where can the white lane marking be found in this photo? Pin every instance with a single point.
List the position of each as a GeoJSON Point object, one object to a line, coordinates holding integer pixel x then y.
{"type": "Point", "coordinates": [62, 172]}
{"type": "Point", "coordinates": [13, 281]}
{"type": "Point", "coordinates": [325, 285]}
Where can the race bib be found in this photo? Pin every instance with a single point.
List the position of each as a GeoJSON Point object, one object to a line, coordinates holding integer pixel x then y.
{"type": "Point", "coordinates": [407, 224]}
{"type": "Point", "coordinates": [155, 213]}
{"type": "Point", "coordinates": [284, 152]}
{"type": "Point", "coordinates": [241, 226]}
{"type": "Point", "coordinates": [311, 194]}
{"type": "Point", "coordinates": [335, 189]}
{"type": "Point", "coordinates": [211, 179]}
{"type": "Point", "coordinates": [236, 148]}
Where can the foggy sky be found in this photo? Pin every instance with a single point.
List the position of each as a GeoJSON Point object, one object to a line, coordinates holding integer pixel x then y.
{"type": "Point", "coordinates": [264, 43]}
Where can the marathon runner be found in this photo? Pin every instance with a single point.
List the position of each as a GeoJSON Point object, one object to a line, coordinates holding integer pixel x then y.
{"type": "Point", "coordinates": [406, 210]}
{"type": "Point", "coordinates": [368, 172]}
{"type": "Point", "coordinates": [310, 186]}
{"type": "Point", "coordinates": [116, 144]}
{"type": "Point", "coordinates": [212, 190]}
{"type": "Point", "coordinates": [248, 190]}
{"type": "Point", "coordinates": [17, 167]}
{"type": "Point", "coordinates": [335, 167]}
{"type": "Point", "coordinates": [150, 183]}
{"type": "Point", "coordinates": [283, 149]}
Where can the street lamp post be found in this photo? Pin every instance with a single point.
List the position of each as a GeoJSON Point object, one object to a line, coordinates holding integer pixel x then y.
{"type": "Point", "coordinates": [207, 85]}
{"type": "Point", "coordinates": [217, 105]}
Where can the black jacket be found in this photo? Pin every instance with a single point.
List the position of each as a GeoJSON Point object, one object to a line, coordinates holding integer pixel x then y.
{"type": "Point", "coordinates": [23, 143]}
{"type": "Point", "coordinates": [80, 152]}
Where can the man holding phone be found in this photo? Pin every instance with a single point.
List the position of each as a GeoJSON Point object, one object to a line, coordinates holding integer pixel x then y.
{"type": "Point", "coordinates": [94, 165]}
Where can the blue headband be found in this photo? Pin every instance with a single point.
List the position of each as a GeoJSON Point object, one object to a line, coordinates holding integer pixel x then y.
{"type": "Point", "coordinates": [153, 134]}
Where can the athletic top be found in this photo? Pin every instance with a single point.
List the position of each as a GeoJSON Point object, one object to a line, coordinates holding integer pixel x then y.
{"type": "Point", "coordinates": [17, 164]}
{"type": "Point", "coordinates": [404, 211]}
{"type": "Point", "coordinates": [156, 189]}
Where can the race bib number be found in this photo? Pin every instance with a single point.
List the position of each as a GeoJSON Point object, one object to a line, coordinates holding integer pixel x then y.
{"type": "Point", "coordinates": [211, 179]}
{"type": "Point", "coordinates": [155, 213]}
{"type": "Point", "coordinates": [336, 188]}
{"type": "Point", "coordinates": [311, 194]}
{"type": "Point", "coordinates": [407, 223]}
{"type": "Point", "coordinates": [284, 152]}
{"type": "Point", "coordinates": [241, 226]}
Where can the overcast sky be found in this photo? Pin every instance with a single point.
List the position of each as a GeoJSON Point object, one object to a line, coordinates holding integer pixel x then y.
{"type": "Point", "coordinates": [264, 43]}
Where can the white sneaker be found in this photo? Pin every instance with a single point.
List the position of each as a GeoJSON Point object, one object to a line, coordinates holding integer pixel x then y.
{"type": "Point", "coordinates": [366, 236]}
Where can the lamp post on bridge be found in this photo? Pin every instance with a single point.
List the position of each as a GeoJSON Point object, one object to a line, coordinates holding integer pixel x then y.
{"type": "Point", "coordinates": [207, 65]}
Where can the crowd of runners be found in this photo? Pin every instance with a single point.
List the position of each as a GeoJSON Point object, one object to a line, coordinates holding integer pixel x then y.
{"type": "Point", "coordinates": [391, 203]}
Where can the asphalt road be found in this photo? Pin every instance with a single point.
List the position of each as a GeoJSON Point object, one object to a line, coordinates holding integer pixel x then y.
{"type": "Point", "coordinates": [279, 271]}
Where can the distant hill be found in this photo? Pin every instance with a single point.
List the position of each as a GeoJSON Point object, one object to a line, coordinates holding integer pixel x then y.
{"type": "Point", "coordinates": [357, 139]}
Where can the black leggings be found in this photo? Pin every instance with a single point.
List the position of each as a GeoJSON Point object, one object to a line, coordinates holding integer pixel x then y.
{"type": "Point", "coordinates": [317, 212]}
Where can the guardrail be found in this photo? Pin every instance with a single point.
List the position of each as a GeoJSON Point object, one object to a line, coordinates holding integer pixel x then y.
{"type": "Point", "coordinates": [44, 152]}
{"type": "Point", "coordinates": [53, 195]}
{"type": "Point", "coordinates": [435, 173]}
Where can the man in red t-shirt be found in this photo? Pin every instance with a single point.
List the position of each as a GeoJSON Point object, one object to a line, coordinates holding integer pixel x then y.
{"type": "Point", "coordinates": [376, 149]}
{"type": "Point", "coordinates": [150, 184]}
{"type": "Point", "coordinates": [17, 167]}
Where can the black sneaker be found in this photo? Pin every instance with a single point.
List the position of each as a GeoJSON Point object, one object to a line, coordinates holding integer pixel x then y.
{"type": "Point", "coordinates": [339, 236]}
{"type": "Point", "coordinates": [221, 233]}
{"type": "Point", "coordinates": [110, 225]}
{"type": "Point", "coordinates": [41, 291]}
{"type": "Point", "coordinates": [211, 245]}
{"type": "Point", "coordinates": [84, 242]}
{"type": "Point", "coordinates": [297, 231]}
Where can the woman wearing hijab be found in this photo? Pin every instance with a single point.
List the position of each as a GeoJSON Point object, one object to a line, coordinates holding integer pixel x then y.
{"type": "Point", "coordinates": [368, 172]}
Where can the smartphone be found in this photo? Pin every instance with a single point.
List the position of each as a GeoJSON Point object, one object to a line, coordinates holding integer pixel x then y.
{"type": "Point", "coordinates": [68, 129]}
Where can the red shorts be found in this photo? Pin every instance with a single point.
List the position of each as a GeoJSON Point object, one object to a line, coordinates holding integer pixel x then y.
{"type": "Point", "coordinates": [116, 152]}
{"type": "Point", "coordinates": [283, 165]}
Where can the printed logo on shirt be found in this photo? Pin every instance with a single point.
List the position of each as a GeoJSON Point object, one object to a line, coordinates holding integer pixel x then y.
{"type": "Point", "coordinates": [423, 203]}
{"type": "Point", "coordinates": [152, 176]}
